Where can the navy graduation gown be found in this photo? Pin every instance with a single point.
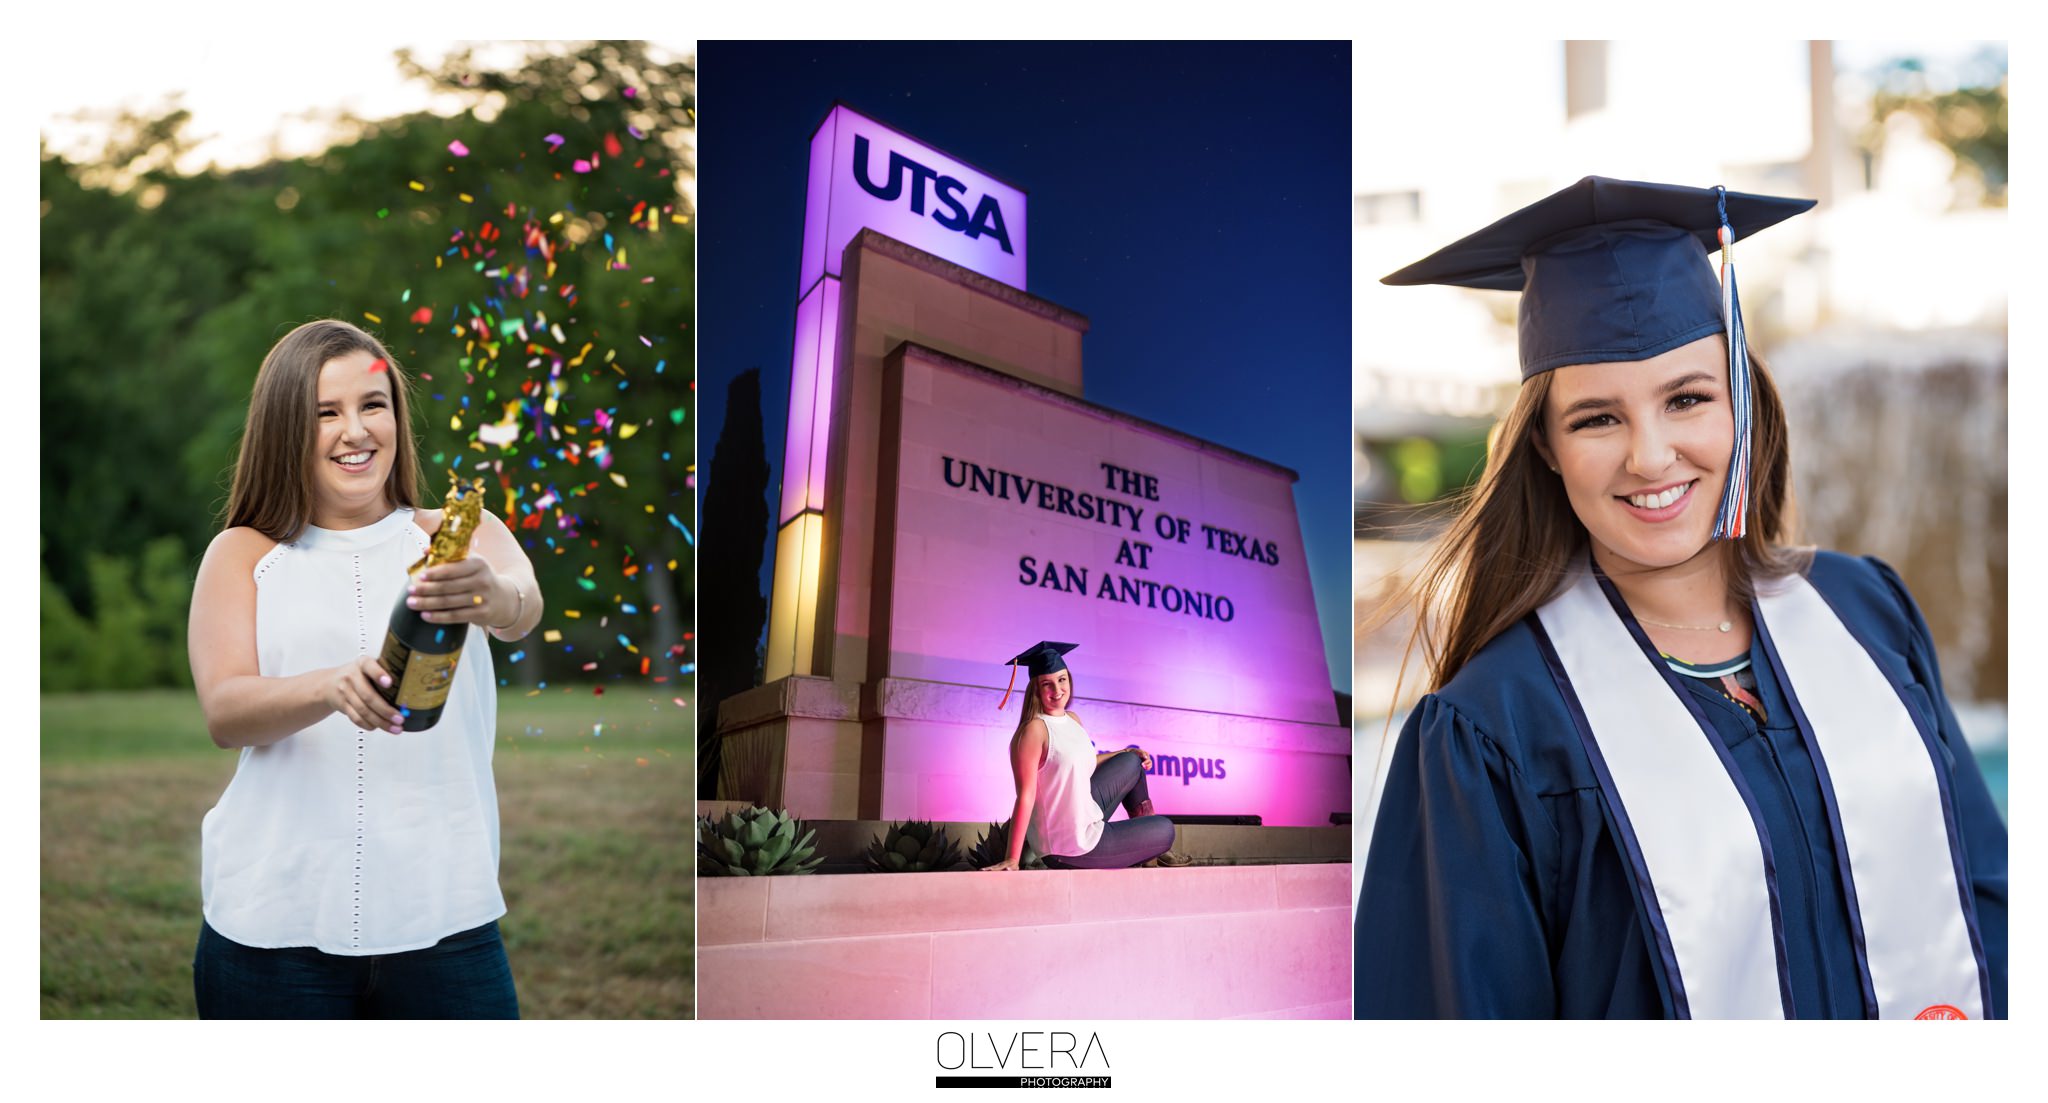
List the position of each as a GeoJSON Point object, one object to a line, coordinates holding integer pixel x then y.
{"type": "Point", "coordinates": [1494, 887]}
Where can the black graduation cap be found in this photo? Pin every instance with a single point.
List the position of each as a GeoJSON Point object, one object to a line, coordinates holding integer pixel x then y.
{"type": "Point", "coordinates": [1616, 270]}
{"type": "Point", "coordinates": [1608, 269]}
{"type": "Point", "coordinates": [1040, 658]}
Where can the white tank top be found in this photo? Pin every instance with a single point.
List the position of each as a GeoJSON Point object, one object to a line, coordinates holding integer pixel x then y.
{"type": "Point", "coordinates": [351, 841]}
{"type": "Point", "coordinates": [1065, 820]}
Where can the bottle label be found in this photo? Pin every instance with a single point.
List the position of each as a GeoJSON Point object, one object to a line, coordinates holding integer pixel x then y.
{"type": "Point", "coordinates": [426, 681]}
{"type": "Point", "coordinates": [423, 679]}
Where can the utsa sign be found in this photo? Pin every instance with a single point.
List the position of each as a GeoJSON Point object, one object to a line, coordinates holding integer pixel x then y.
{"type": "Point", "coordinates": [947, 191]}
{"type": "Point", "coordinates": [865, 175]}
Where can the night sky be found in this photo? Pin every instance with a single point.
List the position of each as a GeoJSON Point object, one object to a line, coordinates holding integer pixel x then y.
{"type": "Point", "coordinates": [1191, 199]}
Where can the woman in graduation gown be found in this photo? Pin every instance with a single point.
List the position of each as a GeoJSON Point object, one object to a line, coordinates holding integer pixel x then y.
{"type": "Point", "coordinates": [1672, 765]}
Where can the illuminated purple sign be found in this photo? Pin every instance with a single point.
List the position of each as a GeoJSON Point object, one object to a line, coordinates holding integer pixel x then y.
{"type": "Point", "coordinates": [866, 175]}
{"type": "Point", "coordinates": [1018, 513]}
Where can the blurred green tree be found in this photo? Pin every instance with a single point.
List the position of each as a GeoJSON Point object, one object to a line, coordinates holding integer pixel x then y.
{"type": "Point", "coordinates": [161, 292]}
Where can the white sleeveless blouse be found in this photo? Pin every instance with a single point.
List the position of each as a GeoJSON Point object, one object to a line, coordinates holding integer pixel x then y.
{"type": "Point", "coordinates": [1066, 820]}
{"type": "Point", "coordinates": [351, 841]}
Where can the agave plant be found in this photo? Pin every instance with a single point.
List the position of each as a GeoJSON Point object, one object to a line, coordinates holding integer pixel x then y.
{"type": "Point", "coordinates": [755, 842]}
{"type": "Point", "coordinates": [994, 846]}
{"type": "Point", "coordinates": [915, 846]}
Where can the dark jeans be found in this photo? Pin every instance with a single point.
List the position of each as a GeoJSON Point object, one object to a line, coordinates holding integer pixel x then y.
{"type": "Point", "coordinates": [1120, 780]}
{"type": "Point", "coordinates": [463, 976]}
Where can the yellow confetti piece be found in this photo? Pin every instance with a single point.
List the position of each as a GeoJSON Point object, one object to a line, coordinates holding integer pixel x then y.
{"type": "Point", "coordinates": [555, 219]}
{"type": "Point", "coordinates": [417, 186]}
{"type": "Point", "coordinates": [552, 636]}
{"type": "Point", "coordinates": [464, 196]}
{"type": "Point", "coordinates": [373, 317]}
{"type": "Point", "coordinates": [627, 430]}
{"type": "Point", "coordinates": [455, 422]}
{"type": "Point", "coordinates": [618, 478]}
{"type": "Point", "coordinates": [573, 614]}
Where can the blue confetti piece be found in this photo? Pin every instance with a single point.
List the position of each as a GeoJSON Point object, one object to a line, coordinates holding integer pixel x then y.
{"type": "Point", "coordinates": [687, 668]}
{"type": "Point", "coordinates": [658, 365]}
{"type": "Point", "coordinates": [624, 642]}
{"type": "Point", "coordinates": [627, 607]}
{"type": "Point", "coordinates": [687, 538]}
{"type": "Point", "coordinates": [518, 655]}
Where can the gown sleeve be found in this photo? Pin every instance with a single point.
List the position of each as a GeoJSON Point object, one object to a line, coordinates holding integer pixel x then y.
{"type": "Point", "coordinates": [1449, 923]}
{"type": "Point", "coordinates": [1977, 818]}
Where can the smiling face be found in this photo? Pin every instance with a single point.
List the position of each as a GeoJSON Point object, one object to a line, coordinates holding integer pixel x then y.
{"type": "Point", "coordinates": [1052, 692]}
{"type": "Point", "coordinates": [1643, 449]}
{"type": "Point", "coordinates": [355, 442]}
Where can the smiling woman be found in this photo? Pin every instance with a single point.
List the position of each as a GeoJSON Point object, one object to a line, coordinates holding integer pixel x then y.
{"type": "Point", "coordinates": [1067, 790]}
{"type": "Point", "coordinates": [349, 870]}
{"type": "Point", "coordinates": [1673, 765]}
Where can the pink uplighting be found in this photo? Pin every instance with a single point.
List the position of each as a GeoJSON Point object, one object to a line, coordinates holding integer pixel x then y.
{"type": "Point", "coordinates": [1021, 513]}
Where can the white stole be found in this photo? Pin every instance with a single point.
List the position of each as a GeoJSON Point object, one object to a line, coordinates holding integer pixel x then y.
{"type": "Point", "coordinates": [1697, 850]}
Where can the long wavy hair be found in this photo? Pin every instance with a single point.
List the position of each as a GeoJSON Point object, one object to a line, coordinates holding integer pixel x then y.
{"type": "Point", "coordinates": [1514, 536]}
{"type": "Point", "coordinates": [272, 491]}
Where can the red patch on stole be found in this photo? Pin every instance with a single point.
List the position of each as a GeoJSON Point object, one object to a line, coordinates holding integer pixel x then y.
{"type": "Point", "coordinates": [1941, 1011]}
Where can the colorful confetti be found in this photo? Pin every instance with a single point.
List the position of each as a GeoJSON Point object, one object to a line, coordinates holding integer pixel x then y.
{"type": "Point", "coordinates": [544, 402]}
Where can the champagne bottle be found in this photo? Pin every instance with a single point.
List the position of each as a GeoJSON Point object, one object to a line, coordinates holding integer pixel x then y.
{"type": "Point", "coordinates": [419, 656]}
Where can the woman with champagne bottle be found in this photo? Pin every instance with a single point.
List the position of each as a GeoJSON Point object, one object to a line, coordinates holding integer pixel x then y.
{"type": "Point", "coordinates": [350, 869]}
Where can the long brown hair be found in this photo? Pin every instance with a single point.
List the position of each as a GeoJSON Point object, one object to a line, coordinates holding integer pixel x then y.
{"type": "Point", "coordinates": [272, 490]}
{"type": "Point", "coordinates": [1514, 535]}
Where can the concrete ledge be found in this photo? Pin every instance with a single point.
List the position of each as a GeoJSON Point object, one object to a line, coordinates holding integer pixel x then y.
{"type": "Point", "coordinates": [797, 695]}
{"type": "Point", "coordinates": [843, 841]}
{"type": "Point", "coordinates": [1215, 942]}
{"type": "Point", "coordinates": [877, 242]}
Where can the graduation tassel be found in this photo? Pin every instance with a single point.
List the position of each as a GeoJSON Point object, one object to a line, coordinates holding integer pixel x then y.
{"type": "Point", "coordinates": [1732, 521]}
{"type": "Point", "coordinates": [1006, 689]}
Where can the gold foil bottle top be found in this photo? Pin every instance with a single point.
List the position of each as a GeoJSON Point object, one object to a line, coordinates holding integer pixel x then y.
{"type": "Point", "coordinates": [461, 512]}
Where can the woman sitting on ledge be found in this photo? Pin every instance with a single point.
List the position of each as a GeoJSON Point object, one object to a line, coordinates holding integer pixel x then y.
{"type": "Point", "coordinates": [1066, 790]}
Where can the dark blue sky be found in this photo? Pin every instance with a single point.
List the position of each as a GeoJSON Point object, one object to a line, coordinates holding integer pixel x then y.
{"type": "Point", "coordinates": [1191, 199]}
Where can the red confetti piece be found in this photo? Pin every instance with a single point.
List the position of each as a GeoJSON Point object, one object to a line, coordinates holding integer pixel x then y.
{"type": "Point", "coordinates": [378, 366]}
{"type": "Point", "coordinates": [423, 315]}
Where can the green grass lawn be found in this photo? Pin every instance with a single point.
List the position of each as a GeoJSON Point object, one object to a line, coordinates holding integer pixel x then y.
{"type": "Point", "coordinates": [596, 851]}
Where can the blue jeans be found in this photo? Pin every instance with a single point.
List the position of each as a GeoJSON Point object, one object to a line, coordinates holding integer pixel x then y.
{"type": "Point", "coordinates": [463, 976]}
{"type": "Point", "coordinates": [1120, 780]}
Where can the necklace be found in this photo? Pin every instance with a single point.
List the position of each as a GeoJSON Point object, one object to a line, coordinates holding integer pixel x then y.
{"type": "Point", "coordinates": [1724, 626]}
